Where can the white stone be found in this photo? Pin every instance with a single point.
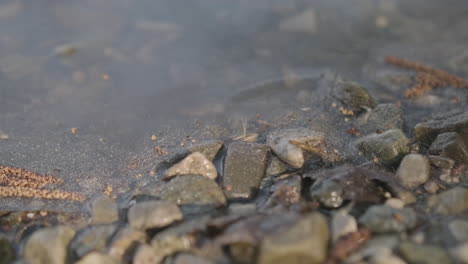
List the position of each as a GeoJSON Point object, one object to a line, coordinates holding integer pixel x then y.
{"type": "Point", "coordinates": [395, 203]}
{"type": "Point", "coordinates": [194, 164]}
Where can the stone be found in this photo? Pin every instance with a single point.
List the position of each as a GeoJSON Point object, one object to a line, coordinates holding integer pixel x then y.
{"type": "Point", "coordinates": [188, 190]}
{"type": "Point", "coordinates": [352, 95]}
{"type": "Point", "coordinates": [383, 117]}
{"type": "Point", "coordinates": [395, 203]}
{"type": "Point", "coordinates": [209, 149]}
{"type": "Point", "coordinates": [146, 254]}
{"type": "Point", "coordinates": [460, 253]}
{"type": "Point", "coordinates": [413, 171]}
{"type": "Point", "coordinates": [341, 224]}
{"type": "Point", "coordinates": [292, 154]}
{"type": "Point", "coordinates": [450, 145]}
{"type": "Point", "coordinates": [441, 162]}
{"type": "Point", "coordinates": [97, 258]}
{"type": "Point", "coordinates": [185, 258]}
{"type": "Point", "coordinates": [426, 132]}
{"type": "Point", "coordinates": [329, 194]}
{"type": "Point", "coordinates": [375, 247]}
{"type": "Point", "coordinates": [153, 214]}
{"type": "Point", "coordinates": [431, 187]}
{"type": "Point", "coordinates": [193, 164]}
{"type": "Point", "coordinates": [415, 253]}
{"type": "Point", "coordinates": [305, 242]}
{"type": "Point", "coordinates": [48, 245]}
{"type": "Point", "coordinates": [388, 147]}
{"type": "Point", "coordinates": [459, 230]}
{"type": "Point", "coordinates": [383, 219]}
{"type": "Point", "coordinates": [7, 252]}
{"type": "Point", "coordinates": [104, 210]}
{"type": "Point", "coordinates": [276, 167]}
{"type": "Point", "coordinates": [386, 257]}
{"type": "Point", "coordinates": [93, 238]}
{"type": "Point", "coordinates": [244, 169]}
{"type": "Point", "coordinates": [452, 201]}
{"type": "Point", "coordinates": [123, 240]}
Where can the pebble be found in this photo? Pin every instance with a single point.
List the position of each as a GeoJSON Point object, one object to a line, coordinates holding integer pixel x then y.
{"type": "Point", "coordinates": [413, 171]}
{"type": "Point", "coordinates": [97, 258]}
{"type": "Point", "coordinates": [244, 169]}
{"type": "Point", "coordinates": [276, 167]}
{"type": "Point", "coordinates": [415, 253]}
{"type": "Point", "coordinates": [431, 187]}
{"type": "Point", "coordinates": [389, 146]}
{"type": "Point", "coordinates": [383, 117]}
{"type": "Point", "coordinates": [146, 254]}
{"type": "Point", "coordinates": [352, 95]}
{"type": "Point", "coordinates": [441, 162]}
{"type": "Point", "coordinates": [450, 145]}
{"type": "Point", "coordinates": [185, 258]}
{"type": "Point", "coordinates": [395, 203]}
{"type": "Point", "coordinates": [7, 252]}
{"type": "Point", "coordinates": [306, 241]}
{"type": "Point", "coordinates": [93, 238]}
{"type": "Point", "coordinates": [459, 230]}
{"type": "Point", "coordinates": [195, 164]}
{"type": "Point", "coordinates": [279, 141]}
{"type": "Point", "coordinates": [329, 193]}
{"type": "Point", "coordinates": [460, 253]}
{"type": "Point", "coordinates": [452, 201]}
{"type": "Point", "coordinates": [123, 240]}
{"type": "Point", "coordinates": [377, 246]}
{"type": "Point", "coordinates": [383, 219]}
{"type": "Point", "coordinates": [341, 224]}
{"type": "Point", "coordinates": [426, 132]}
{"type": "Point", "coordinates": [48, 245]}
{"type": "Point", "coordinates": [153, 214]}
{"type": "Point", "coordinates": [104, 210]}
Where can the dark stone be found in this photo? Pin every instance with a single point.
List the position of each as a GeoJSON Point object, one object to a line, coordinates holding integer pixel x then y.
{"type": "Point", "coordinates": [352, 95]}
{"type": "Point", "coordinates": [450, 145]}
{"type": "Point", "coordinates": [426, 132]}
{"type": "Point", "coordinates": [389, 146]}
{"type": "Point", "coordinates": [7, 252]}
{"type": "Point", "coordinates": [383, 117]}
{"type": "Point", "coordinates": [244, 169]}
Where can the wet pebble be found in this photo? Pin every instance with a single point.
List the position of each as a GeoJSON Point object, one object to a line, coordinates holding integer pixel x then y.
{"type": "Point", "coordinates": [426, 132]}
{"type": "Point", "coordinates": [123, 240]}
{"type": "Point", "coordinates": [104, 210]}
{"type": "Point", "coordinates": [97, 258]}
{"type": "Point", "coordinates": [389, 146]}
{"type": "Point", "coordinates": [416, 253]}
{"type": "Point", "coordinates": [413, 171]}
{"type": "Point", "coordinates": [153, 214]}
{"type": "Point", "coordinates": [452, 201]}
{"type": "Point", "coordinates": [341, 224]}
{"type": "Point", "coordinates": [280, 143]}
{"type": "Point", "coordinates": [305, 242]}
{"type": "Point", "coordinates": [383, 117]}
{"type": "Point", "coordinates": [93, 238]}
{"type": "Point", "coordinates": [244, 169]}
{"type": "Point", "coordinates": [383, 219]}
{"type": "Point", "coordinates": [459, 230]}
{"type": "Point", "coordinates": [48, 245]}
{"type": "Point", "coordinates": [450, 145]}
{"type": "Point", "coordinates": [146, 254]}
{"type": "Point", "coordinates": [194, 164]}
{"type": "Point", "coordinates": [352, 95]}
{"type": "Point", "coordinates": [441, 162]}
{"type": "Point", "coordinates": [431, 187]}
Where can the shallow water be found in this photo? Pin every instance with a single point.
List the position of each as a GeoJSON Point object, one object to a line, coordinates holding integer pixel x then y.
{"type": "Point", "coordinates": [170, 68]}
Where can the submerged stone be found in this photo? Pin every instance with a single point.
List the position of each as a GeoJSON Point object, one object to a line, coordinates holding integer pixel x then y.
{"type": "Point", "coordinates": [449, 202]}
{"type": "Point", "coordinates": [7, 252]}
{"type": "Point", "coordinates": [305, 242]}
{"type": "Point", "coordinates": [413, 171]}
{"type": "Point", "coordinates": [153, 214]}
{"type": "Point", "coordinates": [341, 224]}
{"type": "Point", "coordinates": [104, 210]}
{"type": "Point", "coordinates": [352, 95]}
{"type": "Point", "coordinates": [415, 253]}
{"type": "Point", "coordinates": [48, 245]}
{"type": "Point", "coordinates": [195, 164]}
{"type": "Point", "coordinates": [244, 169]}
{"type": "Point", "coordinates": [450, 145]}
{"type": "Point", "coordinates": [383, 117]}
{"type": "Point", "coordinates": [383, 219]}
{"type": "Point", "coordinates": [426, 132]}
{"type": "Point", "coordinates": [389, 146]}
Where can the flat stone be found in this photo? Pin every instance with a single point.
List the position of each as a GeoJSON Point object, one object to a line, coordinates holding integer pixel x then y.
{"type": "Point", "coordinates": [449, 202]}
{"type": "Point", "coordinates": [415, 253]}
{"type": "Point", "coordinates": [341, 224]}
{"type": "Point", "coordinates": [189, 190]}
{"type": "Point", "coordinates": [413, 171]}
{"type": "Point", "coordinates": [459, 230]}
{"type": "Point", "coordinates": [244, 169]}
{"type": "Point", "coordinates": [450, 145]}
{"type": "Point", "coordinates": [97, 258]}
{"type": "Point", "coordinates": [383, 219]}
{"type": "Point", "coordinates": [93, 238]}
{"type": "Point", "coordinates": [305, 242]}
{"type": "Point", "coordinates": [48, 245]}
{"type": "Point", "coordinates": [426, 132]}
{"type": "Point", "coordinates": [352, 95]}
{"type": "Point", "coordinates": [441, 162]}
{"type": "Point", "coordinates": [383, 117]}
{"type": "Point", "coordinates": [389, 146]}
{"type": "Point", "coordinates": [104, 210]}
{"type": "Point", "coordinates": [153, 214]}
{"type": "Point", "coordinates": [6, 250]}
{"type": "Point", "coordinates": [193, 164]}
{"type": "Point", "coordinates": [276, 167]}
{"type": "Point", "coordinates": [123, 240]}
{"type": "Point", "coordinates": [291, 154]}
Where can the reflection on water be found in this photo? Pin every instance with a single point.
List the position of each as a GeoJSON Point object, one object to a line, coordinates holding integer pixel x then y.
{"type": "Point", "coordinates": [121, 70]}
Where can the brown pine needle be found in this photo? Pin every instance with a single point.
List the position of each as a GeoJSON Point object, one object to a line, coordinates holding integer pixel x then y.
{"type": "Point", "coordinates": [22, 173]}
{"type": "Point", "coordinates": [8, 191]}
